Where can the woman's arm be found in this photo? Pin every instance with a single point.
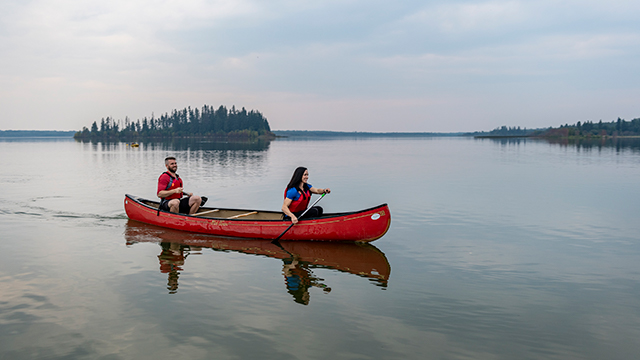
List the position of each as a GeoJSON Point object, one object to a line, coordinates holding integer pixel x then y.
{"type": "Point", "coordinates": [285, 209]}
{"type": "Point", "coordinates": [320, 191]}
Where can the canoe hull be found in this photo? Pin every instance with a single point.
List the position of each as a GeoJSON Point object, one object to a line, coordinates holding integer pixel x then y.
{"type": "Point", "coordinates": [362, 226]}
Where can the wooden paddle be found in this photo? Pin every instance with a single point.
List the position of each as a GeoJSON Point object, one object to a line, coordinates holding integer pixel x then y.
{"type": "Point", "coordinates": [290, 226]}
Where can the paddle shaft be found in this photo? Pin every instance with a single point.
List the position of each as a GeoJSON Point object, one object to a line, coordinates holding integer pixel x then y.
{"type": "Point", "coordinates": [290, 226]}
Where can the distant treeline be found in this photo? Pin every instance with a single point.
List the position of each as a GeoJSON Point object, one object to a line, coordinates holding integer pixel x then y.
{"type": "Point", "coordinates": [619, 127]}
{"type": "Point", "coordinates": [505, 131]}
{"type": "Point", "coordinates": [188, 122]}
{"type": "Point", "coordinates": [35, 133]}
{"type": "Point", "coordinates": [320, 133]}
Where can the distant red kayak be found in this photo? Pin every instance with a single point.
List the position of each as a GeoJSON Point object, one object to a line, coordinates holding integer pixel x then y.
{"type": "Point", "coordinates": [361, 226]}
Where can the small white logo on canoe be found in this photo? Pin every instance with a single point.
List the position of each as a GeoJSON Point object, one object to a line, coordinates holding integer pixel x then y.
{"type": "Point", "coordinates": [375, 216]}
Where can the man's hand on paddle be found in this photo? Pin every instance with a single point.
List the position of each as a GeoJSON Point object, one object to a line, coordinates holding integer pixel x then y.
{"type": "Point", "coordinates": [180, 190]}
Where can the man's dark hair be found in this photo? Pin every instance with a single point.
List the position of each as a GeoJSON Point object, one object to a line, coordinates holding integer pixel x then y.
{"type": "Point", "coordinates": [168, 158]}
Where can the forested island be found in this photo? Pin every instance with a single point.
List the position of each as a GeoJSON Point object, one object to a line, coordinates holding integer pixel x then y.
{"type": "Point", "coordinates": [208, 122]}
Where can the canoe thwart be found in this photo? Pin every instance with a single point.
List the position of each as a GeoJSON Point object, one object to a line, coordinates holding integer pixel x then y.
{"type": "Point", "coordinates": [206, 212]}
{"type": "Point", "coordinates": [242, 215]}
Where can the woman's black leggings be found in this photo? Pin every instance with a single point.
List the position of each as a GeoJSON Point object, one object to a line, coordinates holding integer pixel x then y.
{"type": "Point", "coordinates": [315, 211]}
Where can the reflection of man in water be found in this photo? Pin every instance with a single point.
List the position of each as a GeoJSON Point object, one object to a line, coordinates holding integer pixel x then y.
{"type": "Point", "coordinates": [298, 279]}
{"type": "Point", "coordinates": [171, 259]}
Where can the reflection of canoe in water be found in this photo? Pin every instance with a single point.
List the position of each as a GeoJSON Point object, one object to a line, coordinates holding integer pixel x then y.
{"type": "Point", "coordinates": [363, 226]}
{"type": "Point", "coordinates": [356, 258]}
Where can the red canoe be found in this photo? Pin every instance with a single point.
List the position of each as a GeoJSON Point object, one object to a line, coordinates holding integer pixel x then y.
{"type": "Point", "coordinates": [362, 226]}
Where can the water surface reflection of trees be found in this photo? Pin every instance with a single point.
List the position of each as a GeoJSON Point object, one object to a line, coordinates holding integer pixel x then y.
{"type": "Point", "coordinates": [181, 144]}
{"type": "Point", "coordinates": [201, 158]}
{"type": "Point", "coordinates": [586, 144]}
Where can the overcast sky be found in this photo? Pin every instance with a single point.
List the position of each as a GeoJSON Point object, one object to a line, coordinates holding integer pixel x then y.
{"type": "Point", "coordinates": [347, 65]}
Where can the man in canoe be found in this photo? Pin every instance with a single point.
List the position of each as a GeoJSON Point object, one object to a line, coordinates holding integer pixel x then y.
{"type": "Point", "coordinates": [297, 196]}
{"type": "Point", "coordinates": [170, 191]}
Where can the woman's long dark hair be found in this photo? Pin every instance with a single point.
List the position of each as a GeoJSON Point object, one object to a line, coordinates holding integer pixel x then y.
{"type": "Point", "coordinates": [296, 179]}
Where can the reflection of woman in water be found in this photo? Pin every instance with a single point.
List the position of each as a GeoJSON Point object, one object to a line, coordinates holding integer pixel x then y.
{"type": "Point", "coordinates": [298, 279]}
{"type": "Point", "coordinates": [171, 259]}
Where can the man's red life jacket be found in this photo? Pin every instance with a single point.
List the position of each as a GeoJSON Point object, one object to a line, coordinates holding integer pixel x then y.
{"type": "Point", "coordinates": [300, 204]}
{"type": "Point", "coordinates": [172, 183]}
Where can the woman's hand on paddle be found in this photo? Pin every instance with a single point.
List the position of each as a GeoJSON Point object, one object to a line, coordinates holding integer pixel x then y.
{"type": "Point", "coordinates": [326, 191]}
{"type": "Point", "coordinates": [294, 219]}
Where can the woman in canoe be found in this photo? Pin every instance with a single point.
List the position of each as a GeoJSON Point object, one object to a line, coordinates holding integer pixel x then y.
{"type": "Point", "coordinates": [297, 196]}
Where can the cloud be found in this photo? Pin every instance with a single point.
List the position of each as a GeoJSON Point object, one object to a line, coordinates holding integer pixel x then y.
{"type": "Point", "coordinates": [135, 57]}
{"type": "Point", "coordinates": [467, 17]}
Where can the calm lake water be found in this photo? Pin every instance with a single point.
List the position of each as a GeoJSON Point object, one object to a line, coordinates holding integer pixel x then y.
{"type": "Point", "coordinates": [498, 249]}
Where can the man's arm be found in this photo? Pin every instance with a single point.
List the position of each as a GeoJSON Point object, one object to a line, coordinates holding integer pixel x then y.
{"type": "Point", "coordinates": [165, 193]}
